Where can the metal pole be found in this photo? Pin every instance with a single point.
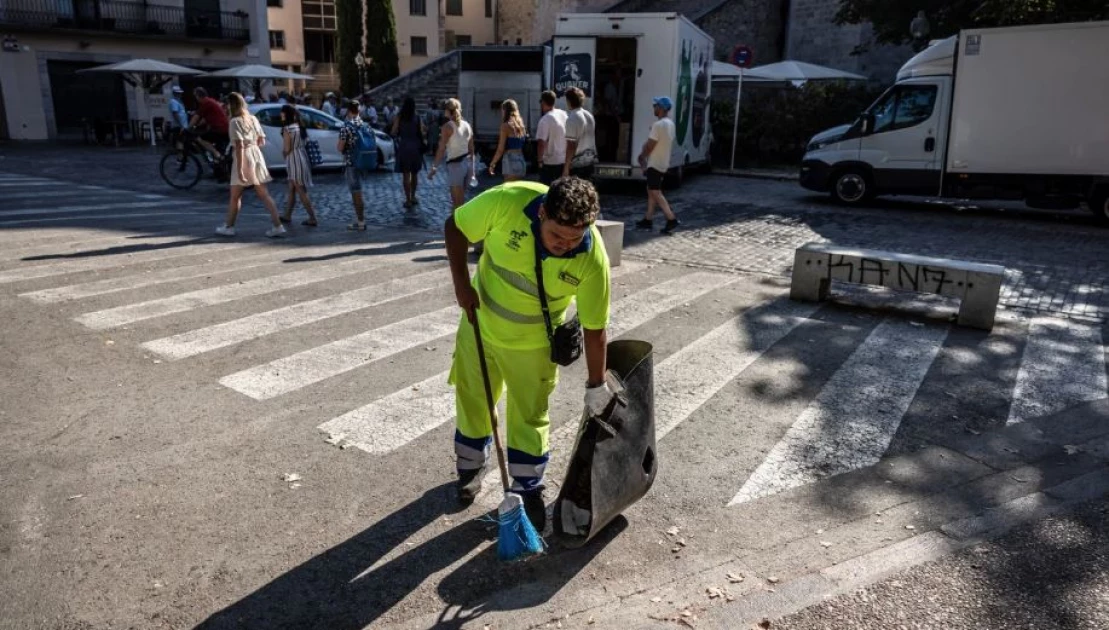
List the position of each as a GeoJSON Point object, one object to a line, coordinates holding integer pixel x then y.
{"type": "Point", "coordinates": [735, 122]}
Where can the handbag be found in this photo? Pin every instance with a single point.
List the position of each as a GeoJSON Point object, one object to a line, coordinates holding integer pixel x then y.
{"type": "Point", "coordinates": [567, 340]}
{"type": "Point", "coordinates": [312, 148]}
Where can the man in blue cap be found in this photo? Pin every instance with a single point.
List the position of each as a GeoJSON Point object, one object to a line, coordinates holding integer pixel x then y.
{"type": "Point", "coordinates": [178, 117]}
{"type": "Point", "coordinates": [655, 161]}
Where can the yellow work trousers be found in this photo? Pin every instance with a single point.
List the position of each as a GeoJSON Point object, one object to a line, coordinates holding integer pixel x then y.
{"type": "Point", "coordinates": [529, 377]}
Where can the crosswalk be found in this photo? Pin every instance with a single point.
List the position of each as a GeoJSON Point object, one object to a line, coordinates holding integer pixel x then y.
{"type": "Point", "coordinates": [187, 299]}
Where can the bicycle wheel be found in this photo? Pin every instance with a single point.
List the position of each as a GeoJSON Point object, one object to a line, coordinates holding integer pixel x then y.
{"type": "Point", "coordinates": [181, 170]}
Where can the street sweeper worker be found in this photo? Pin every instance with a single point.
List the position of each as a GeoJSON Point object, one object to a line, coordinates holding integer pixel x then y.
{"type": "Point", "coordinates": [515, 220]}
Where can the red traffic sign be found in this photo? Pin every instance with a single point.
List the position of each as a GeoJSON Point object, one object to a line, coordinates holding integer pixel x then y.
{"type": "Point", "coordinates": [742, 56]}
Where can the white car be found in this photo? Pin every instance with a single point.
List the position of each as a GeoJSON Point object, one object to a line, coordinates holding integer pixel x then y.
{"type": "Point", "coordinates": [323, 128]}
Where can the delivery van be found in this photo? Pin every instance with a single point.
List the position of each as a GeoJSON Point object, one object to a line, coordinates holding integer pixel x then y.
{"type": "Point", "coordinates": [1018, 113]}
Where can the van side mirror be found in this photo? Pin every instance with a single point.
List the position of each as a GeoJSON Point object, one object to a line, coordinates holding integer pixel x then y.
{"type": "Point", "coordinates": [867, 124]}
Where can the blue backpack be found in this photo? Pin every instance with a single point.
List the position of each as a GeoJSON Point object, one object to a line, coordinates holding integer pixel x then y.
{"type": "Point", "coordinates": [365, 149]}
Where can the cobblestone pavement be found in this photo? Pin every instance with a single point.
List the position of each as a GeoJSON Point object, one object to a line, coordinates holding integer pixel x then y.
{"type": "Point", "coordinates": [1055, 260]}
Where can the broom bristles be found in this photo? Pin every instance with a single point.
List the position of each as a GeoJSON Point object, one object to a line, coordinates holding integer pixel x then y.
{"type": "Point", "coordinates": [516, 536]}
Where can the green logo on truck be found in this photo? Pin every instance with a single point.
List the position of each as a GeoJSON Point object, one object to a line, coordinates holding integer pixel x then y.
{"type": "Point", "coordinates": [685, 92]}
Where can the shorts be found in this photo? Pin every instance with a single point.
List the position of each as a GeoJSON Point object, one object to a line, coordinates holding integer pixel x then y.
{"type": "Point", "coordinates": [514, 165]}
{"type": "Point", "coordinates": [654, 179]}
{"type": "Point", "coordinates": [353, 178]}
{"type": "Point", "coordinates": [458, 172]}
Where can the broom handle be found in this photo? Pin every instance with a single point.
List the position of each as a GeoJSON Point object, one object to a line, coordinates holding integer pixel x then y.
{"type": "Point", "coordinates": [489, 403]}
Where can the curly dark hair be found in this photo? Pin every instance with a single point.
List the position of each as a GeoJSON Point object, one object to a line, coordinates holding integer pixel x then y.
{"type": "Point", "coordinates": [572, 201]}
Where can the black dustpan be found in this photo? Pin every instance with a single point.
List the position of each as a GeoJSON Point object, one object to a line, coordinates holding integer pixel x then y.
{"type": "Point", "coordinates": [613, 464]}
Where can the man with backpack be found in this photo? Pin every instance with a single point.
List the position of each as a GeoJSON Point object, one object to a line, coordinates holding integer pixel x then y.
{"type": "Point", "coordinates": [359, 149]}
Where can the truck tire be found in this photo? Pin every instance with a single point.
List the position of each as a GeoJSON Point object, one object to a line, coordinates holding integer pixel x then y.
{"type": "Point", "coordinates": [852, 187]}
{"type": "Point", "coordinates": [1099, 205]}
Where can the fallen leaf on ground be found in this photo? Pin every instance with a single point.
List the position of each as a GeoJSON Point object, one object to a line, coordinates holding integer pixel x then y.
{"type": "Point", "coordinates": [825, 544]}
{"type": "Point", "coordinates": [294, 486]}
{"type": "Point", "coordinates": [291, 477]}
{"type": "Point", "coordinates": [764, 624]}
{"type": "Point", "coordinates": [773, 580]}
{"type": "Point", "coordinates": [735, 578]}
{"type": "Point", "coordinates": [714, 592]}
{"type": "Point", "coordinates": [335, 438]}
{"type": "Point", "coordinates": [1071, 449]}
{"type": "Point", "coordinates": [686, 613]}
{"type": "Point", "coordinates": [76, 496]}
{"type": "Point", "coordinates": [910, 527]}
{"type": "Point", "coordinates": [656, 599]}
{"type": "Point", "coordinates": [673, 531]}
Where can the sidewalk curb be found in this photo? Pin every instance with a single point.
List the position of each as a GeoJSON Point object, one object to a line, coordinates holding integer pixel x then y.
{"type": "Point", "coordinates": [777, 177]}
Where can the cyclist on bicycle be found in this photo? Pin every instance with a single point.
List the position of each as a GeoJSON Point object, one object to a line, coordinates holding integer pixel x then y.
{"type": "Point", "coordinates": [210, 112]}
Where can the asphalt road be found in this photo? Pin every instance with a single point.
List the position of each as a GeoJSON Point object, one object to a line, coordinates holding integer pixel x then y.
{"type": "Point", "coordinates": [249, 433]}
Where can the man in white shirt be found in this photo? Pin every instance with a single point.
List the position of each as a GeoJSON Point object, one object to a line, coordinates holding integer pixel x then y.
{"type": "Point", "coordinates": [551, 134]}
{"type": "Point", "coordinates": [581, 137]}
{"type": "Point", "coordinates": [655, 160]}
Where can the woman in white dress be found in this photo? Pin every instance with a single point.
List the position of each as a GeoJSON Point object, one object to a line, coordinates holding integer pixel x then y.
{"type": "Point", "coordinates": [298, 168]}
{"type": "Point", "coordinates": [248, 167]}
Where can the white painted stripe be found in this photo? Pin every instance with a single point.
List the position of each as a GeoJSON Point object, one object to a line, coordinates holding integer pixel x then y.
{"type": "Point", "coordinates": [28, 183]}
{"type": "Point", "coordinates": [48, 194]}
{"type": "Point", "coordinates": [133, 215]}
{"type": "Point", "coordinates": [151, 278]}
{"type": "Point", "coordinates": [131, 313]}
{"type": "Point", "coordinates": [76, 265]}
{"type": "Point", "coordinates": [850, 423]}
{"type": "Point", "coordinates": [259, 325]}
{"type": "Point", "coordinates": [1063, 366]}
{"type": "Point", "coordinates": [22, 212]}
{"type": "Point", "coordinates": [312, 366]}
{"type": "Point", "coordinates": [391, 422]}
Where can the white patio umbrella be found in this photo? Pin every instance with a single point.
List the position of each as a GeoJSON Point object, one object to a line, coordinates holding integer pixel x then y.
{"type": "Point", "coordinates": [727, 73]}
{"type": "Point", "coordinates": [780, 72]}
{"type": "Point", "coordinates": [147, 74]}
{"type": "Point", "coordinates": [256, 73]}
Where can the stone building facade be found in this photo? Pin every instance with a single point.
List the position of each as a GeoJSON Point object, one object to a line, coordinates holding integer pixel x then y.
{"type": "Point", "coordinates": [531, 22]}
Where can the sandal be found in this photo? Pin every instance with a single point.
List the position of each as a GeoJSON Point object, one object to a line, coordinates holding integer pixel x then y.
{"type": "Point", "coordinates": [310, 222]}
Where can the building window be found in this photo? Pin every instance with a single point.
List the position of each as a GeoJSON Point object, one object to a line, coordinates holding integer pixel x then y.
{"type": "Point", "coordinates": [463, 40]}
{"type": "Point", "coordinates": [319, 15]}
{"type": "Point", "coordinates": [488, 8]}
{"type": "Point", "coordinates": [454, 7]}
{"type": "Point", "coordinates": [277, 40]}
{"type": "Point", "coordinates": [419, 46]}
{"type": "Point", "coordinates": [417, 7]}
{"type": "Point", "coordinates": [278, 3]}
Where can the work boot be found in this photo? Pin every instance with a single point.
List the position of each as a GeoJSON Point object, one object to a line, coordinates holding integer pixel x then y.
{"type": "Point", "coordinates": [469, 483]}
{"type": "Point", "coordinates": [536, 508]}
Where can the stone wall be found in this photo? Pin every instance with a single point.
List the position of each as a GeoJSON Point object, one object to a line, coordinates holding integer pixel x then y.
{"type": "Point", "coordinates": [758, 24]}
{"type": "Point", "coordinates": [533, 21]}
{"type": "Point", "coordinates": [813, 37]}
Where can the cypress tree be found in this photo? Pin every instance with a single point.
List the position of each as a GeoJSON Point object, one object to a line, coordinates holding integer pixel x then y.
{"type": "Point", "coordinates": [381, 41]}
{"type": "Point", "coordinates": [348, 42]}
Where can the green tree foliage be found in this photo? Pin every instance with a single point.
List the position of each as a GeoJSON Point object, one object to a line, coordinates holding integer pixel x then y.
{"type": "Point", "coordinates": [348, 42]}
{"type": "Point", "coordinates": [891, 18]}
{"type": "Point", "coordinates": [381, 41]}
{"type": "Point", "coordinates": [775, 124]}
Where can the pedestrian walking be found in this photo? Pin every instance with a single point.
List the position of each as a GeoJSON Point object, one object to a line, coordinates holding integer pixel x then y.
{"type": "Point", "coordinates": [456, 146]}
{"type": "Point", "coordinates": [410, 133]}
{"type": "Point", "coordinates": [298, 168]}
{"type": "Point", "coordinates": [655, 160]}
{"type": "Point", "coordinates": [178, 117]}
{"type": "Point", "coordinates": [433, 120]}
{"type": "Point", "coordinates": [581, 137]}
{"type": "Point", "coordinates": [510, 146]}
{"type": "Point", "coordinates": [526, 227]}
{"type": "Point", "coordinates": [248, 167]}
{"type": "Point", "coordinates": [348, 140]}
{"type": "Point", "coordinates": [551, 134]}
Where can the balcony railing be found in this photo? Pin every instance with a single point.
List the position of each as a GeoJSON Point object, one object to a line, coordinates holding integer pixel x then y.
{"type": "Point", "coordinates": [121, 16]}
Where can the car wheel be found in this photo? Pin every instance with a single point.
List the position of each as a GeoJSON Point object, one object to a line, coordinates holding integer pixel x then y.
{"type": "Point", "coordinates": [1099, 205]}
{"type": "Point", "coordinates": [852, 187]}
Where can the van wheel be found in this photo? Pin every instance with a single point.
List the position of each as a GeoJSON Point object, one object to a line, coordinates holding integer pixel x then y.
{"type": "Point", "coordinates": [1099, 205]}
{"type": "Point", "coordinates": [852, 187]}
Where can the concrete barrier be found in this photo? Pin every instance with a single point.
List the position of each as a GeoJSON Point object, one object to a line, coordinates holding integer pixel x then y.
{"type": "Point", "coordinates": [612, 232]}
{"type": "Point", "coordinates": [977, 285]}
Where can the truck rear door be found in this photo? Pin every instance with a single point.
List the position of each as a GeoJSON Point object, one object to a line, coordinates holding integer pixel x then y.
{"type": "Point", "coordinates": [574, 65]}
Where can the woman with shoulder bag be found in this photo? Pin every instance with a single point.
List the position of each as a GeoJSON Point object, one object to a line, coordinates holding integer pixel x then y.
{"type": "Point", "coordinates": [409, 132]}
{"type": "Point", "coordinates": [298, 167]}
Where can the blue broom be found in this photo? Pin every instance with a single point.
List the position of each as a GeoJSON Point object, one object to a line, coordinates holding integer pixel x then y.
{"type": "Point", "coordinates": [516, 536]}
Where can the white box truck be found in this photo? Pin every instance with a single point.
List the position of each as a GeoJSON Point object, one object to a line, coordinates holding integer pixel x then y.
{"type": "Point", "coordinates": [1018, 113]}
{"type": "Point", "coordinates": [622, 61]}
{"type": "Point", "coordinates": [489, 75]}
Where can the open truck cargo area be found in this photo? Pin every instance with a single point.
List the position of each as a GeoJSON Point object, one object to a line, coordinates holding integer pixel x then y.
{"type": "Point", "coordinates": [621, 62]}
{"type": "Point", "coordinates": [490, 75]}
{"type": "Point", "coordinates": [1006, 113]}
